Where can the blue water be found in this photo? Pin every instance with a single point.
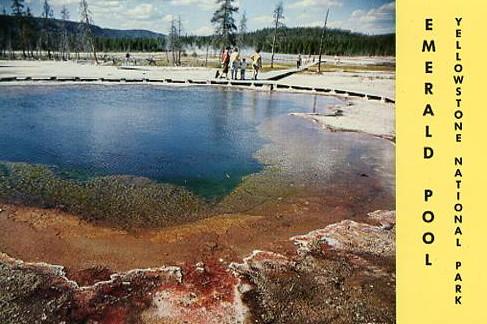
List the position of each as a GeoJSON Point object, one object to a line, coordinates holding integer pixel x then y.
{"type": "Point", "coordinates": [202, 138]}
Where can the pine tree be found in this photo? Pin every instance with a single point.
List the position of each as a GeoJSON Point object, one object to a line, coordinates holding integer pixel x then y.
{"type": "Point", "coordinates": [225, 28]}
{"type": "Point", "coordinates": [18, 11]}
{"type": "Point", "coordinates": [278, 17]}
{"type": "Point", "coordinates": [17, 7]}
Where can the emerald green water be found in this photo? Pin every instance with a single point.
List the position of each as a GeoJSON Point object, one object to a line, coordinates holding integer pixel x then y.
{"type": "Point", "coordinates": [201, 138]}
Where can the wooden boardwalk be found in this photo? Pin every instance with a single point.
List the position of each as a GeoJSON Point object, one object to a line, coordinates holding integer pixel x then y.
{"type": "Point", "coordinates": [266, 81]}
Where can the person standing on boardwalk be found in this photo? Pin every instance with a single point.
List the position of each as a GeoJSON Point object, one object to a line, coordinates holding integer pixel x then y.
{"type": "Point", "coordinates": [299, 61]}
{"type": "Point", "coordinates": [225, 62]}
{"type": "Point", "coordinates": [256, 63]}
{"type": "Point", "coordinates": [235, 63]}
{"type": "Point", "coordinates": [243, 67]}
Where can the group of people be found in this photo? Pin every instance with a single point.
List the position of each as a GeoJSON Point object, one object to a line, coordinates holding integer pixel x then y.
{"type": "Point", "coordinates": [233, 62]}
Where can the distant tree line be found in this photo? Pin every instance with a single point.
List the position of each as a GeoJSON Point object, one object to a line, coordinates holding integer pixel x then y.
{"type": "Point", "coordinates": [306, 41]}
{"type": "Point", "coordinates": [106, 44]}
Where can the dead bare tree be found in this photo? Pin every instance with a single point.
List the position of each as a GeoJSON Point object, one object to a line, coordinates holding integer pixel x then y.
{"type": "Point", "coordinates": [86, 19]}
{"type": "Point", "coordinates": [64, 44]}
{"type": "Point", "coordinates": [278, 17]}
{"type": "Point", "coordinates": [242, 29]}
{"type": "Point", "coordinates": [180, 47]}
{"type": "Point", "coordinates": [173, 40]}
{"type": "Point", "coordinates": [322, 40]}
{"type": "Point", "coordinates": [47, 15]}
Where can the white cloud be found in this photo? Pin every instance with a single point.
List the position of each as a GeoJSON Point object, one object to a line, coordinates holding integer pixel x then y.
{"type": "Point", "coordinates": [168, 18]}
{"type": "Point", "coordinates": [202, 4]}
{"type": "Point", "coordinates": [127, 14]}
{"type": "Point", "coordinates": [204, 31]}
{"type": "Point", "coordinates": [106, 6]}
{"type": "Point", "coordinates": [316, 23]}
{"type": "Point", "coordinates": [262, 20]}
{"type": "Point", "coordinates": [376, 20]}
{"type": "Point", "coordinates": [60, 3]}
{"type": "Point", "coordinates": [98, 7]}
{"type": "Point", "coordinates": [141, 12]}
{"type": "Point", "coordinates": [63, 2]}
{"type": "Point", "coordinates": [207, 5]}
{"type": "Point", "coordinates": [380, 20]}
{"type": "Point", "coordinates": [308, 19]}
{"type": "Point", "coordinates": [315, 3]}
{"type": "Point", "coordinates": [384, 13]}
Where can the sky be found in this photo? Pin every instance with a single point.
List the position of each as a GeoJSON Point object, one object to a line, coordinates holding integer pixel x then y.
{"type": "Point", "coordinates": [365, 16]}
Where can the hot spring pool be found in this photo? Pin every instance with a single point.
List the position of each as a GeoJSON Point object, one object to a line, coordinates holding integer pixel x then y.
{"type": "Point", "coordinates": [199, 137]}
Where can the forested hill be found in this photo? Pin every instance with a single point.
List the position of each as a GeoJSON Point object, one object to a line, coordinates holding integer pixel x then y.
{"type": "Point", "coordinates": [306, 40]}
{"type": "Point", "coordinates": [72, 27]}
{"type": "Point", "coordinates": [337, 42]}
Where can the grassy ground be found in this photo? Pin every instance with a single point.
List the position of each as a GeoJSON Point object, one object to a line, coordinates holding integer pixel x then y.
{"type": "Point", "coordinates": [277, 67]}
{"type": "Point", "coordinates": [353, 68]}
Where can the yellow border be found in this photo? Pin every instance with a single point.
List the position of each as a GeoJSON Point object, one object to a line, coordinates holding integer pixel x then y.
{"type": "Point", "coordinates": [426, 294]}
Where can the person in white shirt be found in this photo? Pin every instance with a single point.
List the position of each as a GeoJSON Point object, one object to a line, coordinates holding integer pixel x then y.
{"type": "Point", "coordinates": [235, 63]}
